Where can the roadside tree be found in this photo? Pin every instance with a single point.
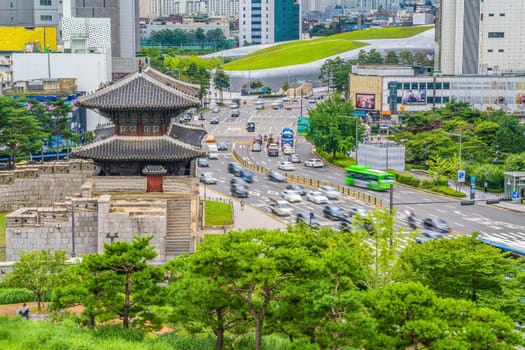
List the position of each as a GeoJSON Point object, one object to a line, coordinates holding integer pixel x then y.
{"type": "Point", "coordinates": [221, 82]}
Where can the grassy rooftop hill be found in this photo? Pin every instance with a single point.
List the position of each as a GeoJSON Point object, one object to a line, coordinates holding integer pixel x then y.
{"type": "Point", "coordinates": [305, 51]}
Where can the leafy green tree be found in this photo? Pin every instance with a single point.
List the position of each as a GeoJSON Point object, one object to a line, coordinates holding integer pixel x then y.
{"type": "Point", "coordinates": [123, 280]}
{"type": "Point", "coordinates": [420, 59]}
{"type": "Point", "coordinates": [406, 57]}
{"type": "Point", "coordinates": [37, 271]}
{"type": "Point", "coordinates": [392, 58]}
{"type": "Point", "coordinates": [515, 162]}
{"type": "Point", "coordinates": [329, 130]}
{"type": "Point", "coordinates": [465, 268]}
{"type": "Point", "coordinates": [221, 81]}
{"type": "Point", "coordinates": [374, 57]}
{"type": "Point", "coordinates": [256, 84]}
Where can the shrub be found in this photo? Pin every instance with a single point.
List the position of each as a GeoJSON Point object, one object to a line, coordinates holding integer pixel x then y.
{"type": "Point", "coordinates": [15, 295]}
{"type": "Point", "coordinates": [448, 191]}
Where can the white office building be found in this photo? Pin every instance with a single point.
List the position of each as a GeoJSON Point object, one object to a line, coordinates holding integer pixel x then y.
{"type": "Point", "coordinates": [480, 37]}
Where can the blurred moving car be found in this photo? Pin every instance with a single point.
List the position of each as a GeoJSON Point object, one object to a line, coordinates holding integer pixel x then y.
{"type": "Point", "coordinates": [294, 158]}
{"type": "Point", "coordinates": [330, 192]}
{"type": "Point", "coordinates": [360, 212]}
{"type": "Point", "coordinates": [308, 219]}
{"type": "Point", "coordinates": [297, 188]}
{"type": "Point", "coordinates": [235, 169]}
{"type": "Point", "coordinates": [286, 165]}
{"type": "Point", "coordinates": [291, 196]}
{"type": "Point", "coordinates": [216, 110]}
{"type": "Point", "coordinates": [203, 162]}
{"type": "Point", "coordinates": [316, 197]}
{"type": "Point", "coordinates": [287, 149]}
{"type": "Point", "coordinates": [222, 146]}
{"type": "Point", "coordinates": [214, 120]}
{"type": "Point", "coordinates": [273, 150]}
{"type": "Point", "coordinates": [210, 138]}
{"type": "Point", "coordinates": [235, 113]}
{"type": "Point", "coordinates": [436, 224]}
{"type": "Point", "coordinates": [238, 181]}
{"type": "Point", "coordinates": [280, 207]}
{"type": "Point", "coordinates": [314, 163]}
{"type": "Point", "coordinates": [428, 235]}
{"type": "Point", "coordinates": [256, 147]}
{"type": "Point", "coordinates": [334, 212]}
{"type": "Point", "coordinates": [208, 178]}
{"type": "Point", "coordinates": [246, 175]}
{"type": "Point", "coordinates": [239, 190]}
{"type": "Point", "coordinates": [250, 127]}
{"type": "Point", "coordinates": [276, 176]}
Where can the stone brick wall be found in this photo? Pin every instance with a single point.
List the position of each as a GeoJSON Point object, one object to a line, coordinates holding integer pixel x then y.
{"type": "Point", "coordinates": [42, 185]}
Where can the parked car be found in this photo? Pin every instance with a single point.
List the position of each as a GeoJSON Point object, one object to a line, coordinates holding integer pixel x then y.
{"type": "Point", "coordinates": [333, 212]}
{"type": "Point", "coordinates": [291, 196]}
{"type": "Point", "coordinates": [314, 163]}
{"type": "Point", "coordinates": [222, 146]}
{"type": "Point", "coordinates": [428, 235]}
{"type": "Point", "coordinates": [280, 207]}
{"type": "Point", "coordinates": [214, 120]}
{"type": "Point", "coordinates": [316, 197]}
{"type": "Point", "coordinates": [203, 162]}
{"type": "Point", "coordinates": [286, 165]}
{"type": "Point", "coordinates": [330, 192]}
{"type": "Point", "coordinates": [256, 147]}
{"type": "Point", "coordinates": [238, 190]}
{"type": "Point", "coordinates": [276, 176]}
{"type": "Point", "coordinates": [436, 224]}
{"type": "Point", "coordinates": [297, 188]}
{"type": "Point", "coordinates": [235, 169]}
{"type": "Point", "coordinates": [308, 219]}
{"type": "Point", "coordinates": [208, 178]}
{"type": "Point", "coordinates": [294, 158]}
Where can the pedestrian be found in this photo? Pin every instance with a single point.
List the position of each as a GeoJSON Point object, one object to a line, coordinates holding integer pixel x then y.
{"type": "Point", "coordinates": [485, 186]}
{"type": "Point", "coordinates": [242, 204]}
{"type": "Point", "coordinates": [24, 311]}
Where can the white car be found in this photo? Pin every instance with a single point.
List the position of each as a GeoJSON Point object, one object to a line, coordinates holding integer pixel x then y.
{"type": "Point", "coordinates": [281, 208]}
{"type": "Point", "coordinates": [208, 178]}
{"type": "Point", "coordinates": [317, 197]}
{"type": "Point", "coordinates": [314, 163]}
{"type": "Point", "coordinates": [286, 165]}
{"type": "Point", "coordinates": [330, 192]}
{"type": "Point", "coordinates": [287, 149]}
{"type": "Point", "coordinates": [291, 196]}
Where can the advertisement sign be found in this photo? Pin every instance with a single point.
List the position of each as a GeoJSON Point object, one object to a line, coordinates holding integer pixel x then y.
{"type": "Point", "coordinates": [415, 96]}
{"type": "Point", "coordinates": [365, 101]}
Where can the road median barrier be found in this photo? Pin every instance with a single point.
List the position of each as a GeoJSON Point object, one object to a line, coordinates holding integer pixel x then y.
{"type": "Point", "coordinates": [345, 190]}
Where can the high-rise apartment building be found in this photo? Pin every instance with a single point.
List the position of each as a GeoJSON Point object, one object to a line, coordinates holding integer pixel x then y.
{"type": "Point", "coordinates": [480, 37]}
{"type": "Point", "coordinates": [228, 8]}
{"type": "Point", "coordinates": [268, 21]}
{"type": "Point", "coordinates": [30, 12]}
{"type": "Point", "coordinates": [164, 8]}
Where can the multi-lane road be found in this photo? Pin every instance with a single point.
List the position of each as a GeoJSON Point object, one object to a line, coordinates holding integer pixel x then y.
{"type": "Point", "coordinates": [492, 222]}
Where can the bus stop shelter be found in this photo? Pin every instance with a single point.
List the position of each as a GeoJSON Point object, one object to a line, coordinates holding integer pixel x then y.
{"type": "Point", "coordinates": [515, 186]}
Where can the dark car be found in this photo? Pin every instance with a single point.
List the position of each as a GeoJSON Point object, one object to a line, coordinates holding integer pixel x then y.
{"type": "Point", "coordinates": [428, 235]}
{"type": "Point", "coordinates": [353, 224]}
{"type": "Point", "coordinates": [297, 188]}
{"type": "Point", "coordinates": [246, 175]}
{"type": "Point", "coordinates": [436, 224]}
{"type": "Point", "coordinates": [239, 190]}
{"type": "Point", "coordinates": [238, 181]}
{"type": "Point", "coordinates": [214, 120]}
{"type": "Point", "coordinates": [222, 146]}
{"type": "Point", "coordinates": [308, 219]}
{"type": "Point", "coordinates": [203, 162]}
{"type": "Point", "coordinates": [333, 212]}
{"type": "Point", "coordinates": [235, 169]}
{"type": "Point", "coordinates": [276, 176]}
{"type": "Point", "coordinates": [250, 127]}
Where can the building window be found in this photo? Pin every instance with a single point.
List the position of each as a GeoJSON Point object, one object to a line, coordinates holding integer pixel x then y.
{"type": "Point", "coordinates": [490, 50]}
{"type": "Point", "coordinates": [446, 86]}
{"type": "Point", "coordinates": [45, 2]}
{"type": "Point", "coordinates": [496, 34]}
{"type": "Point", "coordinates": [430, 86]}
{"type": "Point", "coordinates": [414, 86]}
{"type": "Point", "coordinates": [501, 50]}
{"type": "Point", "coordinates": [491, 15]}
{"type": "Point", "coordinates": [406, 86]}
{"type": "Point", "coordinates": [502, 15]}
{"type": "Point", "coordinates": [46, 18]}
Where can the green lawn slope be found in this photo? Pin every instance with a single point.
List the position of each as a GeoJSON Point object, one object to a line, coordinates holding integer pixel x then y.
{"type": "Point", "coordinates": [305, 51]}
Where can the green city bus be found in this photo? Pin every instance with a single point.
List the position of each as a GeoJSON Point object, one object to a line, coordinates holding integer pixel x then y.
{"type": "Point", "coordinates": [364, 176]}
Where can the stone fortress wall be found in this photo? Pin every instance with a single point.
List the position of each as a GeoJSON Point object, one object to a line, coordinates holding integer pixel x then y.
{"type": "Point", "coordinates": [103, 207]}
{"type": "Point", "coordinates": [42, 184]}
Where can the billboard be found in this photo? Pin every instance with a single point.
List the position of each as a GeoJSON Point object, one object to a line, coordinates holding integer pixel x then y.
{"type": "Point", "coordinates": [15, 38]}
{"type": "Point", "coordinates": [365, 101]}
{"type": "Point", "coordinates": [414, 96]}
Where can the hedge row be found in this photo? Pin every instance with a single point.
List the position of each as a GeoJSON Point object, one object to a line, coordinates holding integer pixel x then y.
{"type": "Point", "coordinates": [15, 295]}
{"type": "Point", "coordinates": [439, 185]}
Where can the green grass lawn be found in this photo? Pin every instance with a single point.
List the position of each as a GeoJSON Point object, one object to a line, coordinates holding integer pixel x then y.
{"type": "Point", "coordinates": [2, 236]}
{"type": "Point", "coordinates": [305, 51]}
{"type": "Point", "coordinates": [217, 213]}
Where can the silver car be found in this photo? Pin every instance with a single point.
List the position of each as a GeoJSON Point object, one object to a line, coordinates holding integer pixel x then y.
{"type": "Point", "coordinates": [208, 178]}
{"type": "Point", "coordinates": [291, 196]}
{"type": "Point", "coordinates": [316, 197]}
{"type": "Point", "coordinates": [330, 192]}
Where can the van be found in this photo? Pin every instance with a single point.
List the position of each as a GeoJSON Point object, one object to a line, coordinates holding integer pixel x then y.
{"type": "Point", "coordinates": [213, 152]}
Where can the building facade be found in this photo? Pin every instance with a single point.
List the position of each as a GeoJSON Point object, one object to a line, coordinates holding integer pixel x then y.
{"type": "Point", "coordinates": [30, 12]}
{"type": "Point", "coordinates": [164, 8]}
{"type": "Point", "coordinates": [227, 8]}
{"type": "Point", "coordinates": [268, 22]}
{"type": "Point", "coordinates": [480, 37]}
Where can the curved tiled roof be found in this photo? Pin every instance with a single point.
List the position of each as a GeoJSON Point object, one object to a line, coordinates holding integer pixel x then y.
{"type": "Point", "coordinates": [190, 134]}
{"type": "Point", "coordinates": [134, 148]}
{"type": "Point", "coordinates": [149, 89]}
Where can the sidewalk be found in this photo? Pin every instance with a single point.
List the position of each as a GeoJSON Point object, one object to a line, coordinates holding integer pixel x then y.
{"type": "Point", "coordinates": [481, 195]}
{"type": "Point", "coordinates": [250, 217]}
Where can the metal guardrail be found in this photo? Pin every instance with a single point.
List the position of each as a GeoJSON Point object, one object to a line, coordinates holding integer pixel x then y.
{"type": "Point", "coordinates": [347, 191]}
